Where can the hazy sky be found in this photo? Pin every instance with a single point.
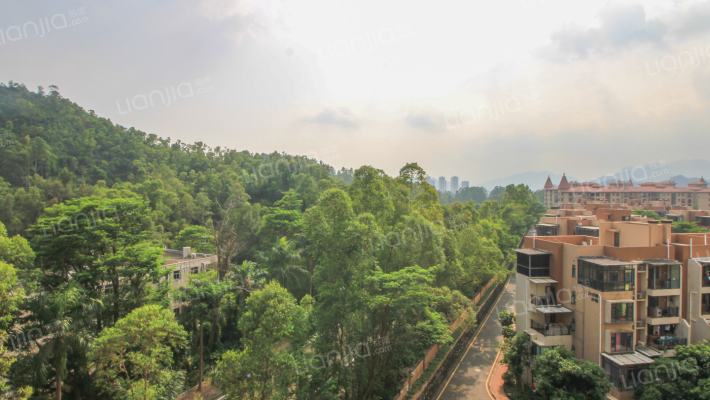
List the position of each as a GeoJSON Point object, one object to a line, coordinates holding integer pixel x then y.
{"type": "Point", "coordinates": [477, 89]}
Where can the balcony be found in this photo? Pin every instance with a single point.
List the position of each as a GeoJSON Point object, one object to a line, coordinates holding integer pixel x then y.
{"type": "Point", "coordinates": [663, 278]}
{"type": "Point", "coordinates": [663, 315]}
{"type": "Point", "coordinates": [533, 263]}
{"type": "Point", "coordinates": [542, 301]}
{"type": "Point", "coordinates": [553, 329]}
{"type": "Point", "coordinates": [665, 343]}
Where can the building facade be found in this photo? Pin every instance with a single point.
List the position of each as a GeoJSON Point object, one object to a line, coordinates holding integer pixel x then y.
{"type": "Point", "coordinates": [617, 291]}
{"type": "Point", "coordinates": [454, 184]}
{"type": "Point", "coordinates": [626, 193]}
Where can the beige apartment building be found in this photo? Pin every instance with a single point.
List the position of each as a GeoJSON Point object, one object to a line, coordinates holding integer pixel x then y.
{"type": "Point", "coordinates": [696, 193]}
{"type": "Point", "coordinates": [616, 289]}
{"type": "Point", "coordinates": [182, 264]}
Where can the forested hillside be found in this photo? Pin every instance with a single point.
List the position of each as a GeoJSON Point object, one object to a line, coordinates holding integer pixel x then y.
{"type": "Point", "coordinates": [313, 264]}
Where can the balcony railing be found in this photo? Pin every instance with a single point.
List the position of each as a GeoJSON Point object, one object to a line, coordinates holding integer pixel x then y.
{"type": "Point", "coordinates": [667, 343]}
{"type": "Point", "coordinates": [664, 284]}
{"type": "Point", "coordinates": [553, 329]}
{"type": "Point", "coordinates": [659, 312]}
{"type": "Point", "coordinates": [540, 301]}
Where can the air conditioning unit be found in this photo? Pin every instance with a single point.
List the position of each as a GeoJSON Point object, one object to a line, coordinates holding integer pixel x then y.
{"type": "Point", "coordinates": [641, 344]}
{"type": "Point", "coordinates": [640, 324]}
{"type": "Point", "coordinates": [657, 312]}
{"type": "Point", "coordinates": [640, 296]}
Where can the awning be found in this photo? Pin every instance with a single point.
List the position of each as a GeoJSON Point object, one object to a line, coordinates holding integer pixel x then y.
{"type": "Point", "coordinates": [542, 280]}
{"type": "Point", "coordinates": [648, 352]}
{"type": "Point", "coordinates": [553, 309]}
{"type": "Point", "coordinates": [629, 359]}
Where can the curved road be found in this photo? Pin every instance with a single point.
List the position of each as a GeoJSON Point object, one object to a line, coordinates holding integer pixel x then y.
{"type": "Point", "coordinates": [468, 381]}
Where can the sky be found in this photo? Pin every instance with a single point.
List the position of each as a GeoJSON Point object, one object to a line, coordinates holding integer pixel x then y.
{"type": "Point", "coordinates": [481, 90]}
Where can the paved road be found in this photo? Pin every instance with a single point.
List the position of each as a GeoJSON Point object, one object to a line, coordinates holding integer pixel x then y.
{"type": "Point", "coordinates": [469, 380]}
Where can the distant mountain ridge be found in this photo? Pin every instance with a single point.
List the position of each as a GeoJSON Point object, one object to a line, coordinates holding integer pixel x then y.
{"type": "Point", "coordinates": [534, 180]}
{"type": "Point", "coordinates": [681, 172]}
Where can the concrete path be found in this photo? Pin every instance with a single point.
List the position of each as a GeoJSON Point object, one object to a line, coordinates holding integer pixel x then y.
{"type": "Point", "coordinates": [468, 381]}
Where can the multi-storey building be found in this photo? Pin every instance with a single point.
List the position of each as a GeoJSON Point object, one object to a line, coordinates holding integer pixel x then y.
{"type": "Point", "coordinates": [442, 184]}
{"type": "Point", "coordinates": [181, 264]}
{"type": "Point", "coordinates": [454, 184]}
{"type": "Point", "coordinates": [696, 193]}
{"type": "Point", "coordinates": [464, 184]}
{"type": "Point", "coordinates": [616, 291]}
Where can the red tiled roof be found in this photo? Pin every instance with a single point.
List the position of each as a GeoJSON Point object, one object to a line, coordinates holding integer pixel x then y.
{"type": "Point", "coordinates": [564, 184]}
{"type": "Point", "coordinates": [548, 183]}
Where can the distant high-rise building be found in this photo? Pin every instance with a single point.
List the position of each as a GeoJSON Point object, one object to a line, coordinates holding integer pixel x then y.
{"type": "Point", "coordinates": [454, 184]}
{"type": "Point", "coordinates": [464, 184]}
{"type": "Point", "coordinates": [431, 181]}
{"type": "Point", "coordinates": [442, 184]}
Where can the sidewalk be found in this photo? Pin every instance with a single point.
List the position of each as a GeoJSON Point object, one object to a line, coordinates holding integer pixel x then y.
{"type": "Point", "coordinates": [495, 382]}
{"type": "Point", "coordinates": [469, 381]}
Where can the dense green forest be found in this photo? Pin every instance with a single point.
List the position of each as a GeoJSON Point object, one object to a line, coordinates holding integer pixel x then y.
{"type": "Point", "coordinates": [313, 264]}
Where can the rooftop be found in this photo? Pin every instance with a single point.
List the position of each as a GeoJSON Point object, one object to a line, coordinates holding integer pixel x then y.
{"type": "Point", "coordinates": [533, 252]}
{"type": "Point", "coordinates": [661, 261]}
{"type": "Point", "coordinates": [608, 261]}
{"type": "Point", "coordinates": [634, 358]}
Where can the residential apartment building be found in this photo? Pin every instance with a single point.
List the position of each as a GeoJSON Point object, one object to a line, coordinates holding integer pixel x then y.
{"type": "Point", "coordinates": [464, 184]}
{"type": "Point", "coordinates": [454, 184]}
{"type": "Point", "coordinates": [616, 290]}
{"type": "Point", "coordinates": [442, 184]}
{"type": "Point", "coordinates": [182, 264]}
{"type": "Point", "coordinates": [626, 193]}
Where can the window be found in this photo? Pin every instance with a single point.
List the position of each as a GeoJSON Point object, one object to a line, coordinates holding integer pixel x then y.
{"type": "Point", "coordinates": [573, 326]}
{"type": "Point", "coordinates": [194, 270]}
{"type": "Point", "coordinates": [622, 342]}
{"type": "Point", "coordinates": [606, 278]}
{"type": "Point", "coordinates": [176, 274]}
{"type": "Point", "coordinates": [574, 298]}
{"type": "Point", "coordinates": [533, 265]}
{"type": "Point", "coordinates": [536, 350]}
{"type": "Point", "coordinates": [574, 271]}
{"type": "Point", "coordinates": [617, 239]}
{"type": "Point", "coordinates": [622, 312]}
{"type": "Point", "coordinates": [705, 304]}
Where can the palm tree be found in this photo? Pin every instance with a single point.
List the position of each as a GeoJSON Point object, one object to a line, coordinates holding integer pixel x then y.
{"type": "Point", "coordinates": [66, 312]}
{"type": "Point", "coordinates": [283, 264]}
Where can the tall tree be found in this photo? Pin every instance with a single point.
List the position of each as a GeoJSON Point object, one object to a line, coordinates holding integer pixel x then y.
{"type": "Point", "coordinates": [684, 376]}
{"type": "Point", "coordinates": [264, 369]}
{"type": "Point", "coordinates": [283, 263]}
{"type": "Point", "coordinates": [559, 375]}
{"type": "Point", "coordinates": [67, 312]}
{"type": "Point", "coordinates": [11, 295]}
{"type": "Point", "coordinates": [235, 224]}
{"type": "Point", "coordinates": [134, 358]}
